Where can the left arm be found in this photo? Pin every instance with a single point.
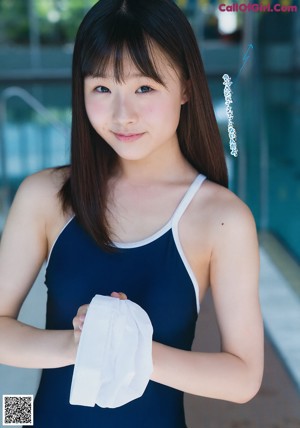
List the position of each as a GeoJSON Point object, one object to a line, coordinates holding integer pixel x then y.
{"type": "Point", "coordinates": [235, 373]}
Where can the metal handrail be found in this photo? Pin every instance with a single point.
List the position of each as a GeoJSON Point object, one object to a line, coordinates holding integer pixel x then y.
{"type": "Point", "coordinates": [36, 105]}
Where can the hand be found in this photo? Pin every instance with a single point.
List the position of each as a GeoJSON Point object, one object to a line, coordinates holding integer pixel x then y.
{"type": "Point", "coordinates": [78, 320]}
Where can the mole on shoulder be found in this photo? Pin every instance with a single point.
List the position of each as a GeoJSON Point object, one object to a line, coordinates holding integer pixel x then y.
{"type": "Point", "coordinates": [222, 224]}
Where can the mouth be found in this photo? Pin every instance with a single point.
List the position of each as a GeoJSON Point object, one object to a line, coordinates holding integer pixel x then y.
{"type": "Point", "coordinates": [128, 137]}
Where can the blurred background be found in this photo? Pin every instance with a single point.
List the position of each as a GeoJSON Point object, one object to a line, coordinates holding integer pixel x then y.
{"type": "Point", "coordinates": [260, 51]}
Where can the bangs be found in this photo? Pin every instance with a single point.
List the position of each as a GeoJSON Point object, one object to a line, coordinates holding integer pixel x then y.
{"type": "Point", "coordinates": [122, 39]}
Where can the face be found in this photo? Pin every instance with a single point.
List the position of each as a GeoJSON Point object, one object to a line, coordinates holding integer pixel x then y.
{"type": "Point", "coordinates": [138, 118]}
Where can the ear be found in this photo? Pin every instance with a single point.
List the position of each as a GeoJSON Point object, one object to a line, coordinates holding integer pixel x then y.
{"type": "Point", "coordinates": [186, 87]}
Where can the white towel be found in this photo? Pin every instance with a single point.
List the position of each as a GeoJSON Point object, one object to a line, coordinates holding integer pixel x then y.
{"type": "Point", "coordinates": [114, 358]}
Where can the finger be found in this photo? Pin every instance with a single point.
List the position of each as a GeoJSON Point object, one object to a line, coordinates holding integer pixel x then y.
{"type": "Point", "coordinates": [82, 310]}
{"type": "Point", "coordinates": [77, 323]}
{"type": "Point", "coordinates": [115, 294]}
{"type": "Point", "coordinates": [78, 320]}
{"type": "Point", "coordinates": [122, 296]}
{"type": "Point", "coordinates": [77, 335]}
{"type": "Point", "coordinates": [119, 295]}
{"type": "Point", "coordinates": [80, 317]}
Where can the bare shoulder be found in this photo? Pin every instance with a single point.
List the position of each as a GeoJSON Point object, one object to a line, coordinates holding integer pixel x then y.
{"type": "Point", "coordinates": [217, 218]}
{"type": "Point", "coordinates": [230, 226]}
{"type": "Point", "coordinates": [43, 185]}
{"type": "Point", "coordinates": [39, 192]}
{"type": "Point", "coordinates": [38, 200]}
{"type": "Point", "coordinates": [223, 208]}
{"type": "Point", "coordinates": [214, 213]}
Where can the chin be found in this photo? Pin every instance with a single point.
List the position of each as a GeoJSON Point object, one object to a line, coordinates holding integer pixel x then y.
{"type": "Point", "coordinates": [132, 155]}
{"type": "Point", "coordinates": [131, 158]}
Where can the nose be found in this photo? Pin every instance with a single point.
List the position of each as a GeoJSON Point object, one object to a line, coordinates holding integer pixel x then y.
{"type": "Point", "coordinates": [124, 110]}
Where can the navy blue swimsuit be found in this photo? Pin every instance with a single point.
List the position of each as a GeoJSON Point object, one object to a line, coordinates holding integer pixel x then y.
{"type": "Point", "coordinates": [153, 273]}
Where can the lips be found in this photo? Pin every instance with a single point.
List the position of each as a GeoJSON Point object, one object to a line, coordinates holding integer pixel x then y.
{"type": "Point", "coordinates": [128, 137]}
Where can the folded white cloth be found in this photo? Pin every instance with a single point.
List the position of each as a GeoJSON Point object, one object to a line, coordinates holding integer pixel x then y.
{"type": "Point", "coordinates": [114, 358]}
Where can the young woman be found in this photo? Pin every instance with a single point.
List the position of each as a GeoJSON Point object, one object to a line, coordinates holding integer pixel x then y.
{"type": "Point", "coordinates": [143, 209]}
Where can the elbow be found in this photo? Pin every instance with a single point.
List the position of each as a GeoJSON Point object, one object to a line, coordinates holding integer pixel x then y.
{"type": "Point", "coordinates": [245, 398]}
{"type": "Point", "coordinates": [248, 391]}
{"type": "Point", "coordinates": [249, 382]}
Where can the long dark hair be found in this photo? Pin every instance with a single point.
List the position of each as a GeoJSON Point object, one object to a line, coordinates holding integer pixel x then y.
{"type": "Point", "coordinates": [108, 29]}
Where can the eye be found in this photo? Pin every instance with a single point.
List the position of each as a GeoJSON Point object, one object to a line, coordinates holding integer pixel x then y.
{"type": "Point", "coordinates": [144, 89]}
{"type": "Point", "coordinates": [102, 89]}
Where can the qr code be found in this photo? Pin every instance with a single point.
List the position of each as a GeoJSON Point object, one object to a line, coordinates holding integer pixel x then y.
{"type": "Point", "coordinates": [17, 410]}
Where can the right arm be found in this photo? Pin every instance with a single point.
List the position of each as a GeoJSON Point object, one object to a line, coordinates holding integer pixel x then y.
{"type": "Point", "coordinates": [23, 249]}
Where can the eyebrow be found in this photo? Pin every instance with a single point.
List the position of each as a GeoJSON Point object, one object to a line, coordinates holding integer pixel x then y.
{"type": "Point", "coordinates": [138, 75]}
{"type": "Point", "coordinates": [130, 76]}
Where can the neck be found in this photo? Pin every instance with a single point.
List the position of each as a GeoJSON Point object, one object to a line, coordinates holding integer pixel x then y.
{"type": "Point", "coordinates": [165, 165]}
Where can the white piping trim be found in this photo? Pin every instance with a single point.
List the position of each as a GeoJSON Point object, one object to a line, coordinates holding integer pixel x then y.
{"type": "Point", "coordinates": [187, 266]}
{"type": "Point", "coordinates": [180, 208]}
{"type": "Point", "coordinates": [195, 186]}
{"type": "Point", "coordinates": [145, 241]}
{"type": "Point", "coordinates": [53, 245]}
{"type": "Point", "coordinates": [176, 218]}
